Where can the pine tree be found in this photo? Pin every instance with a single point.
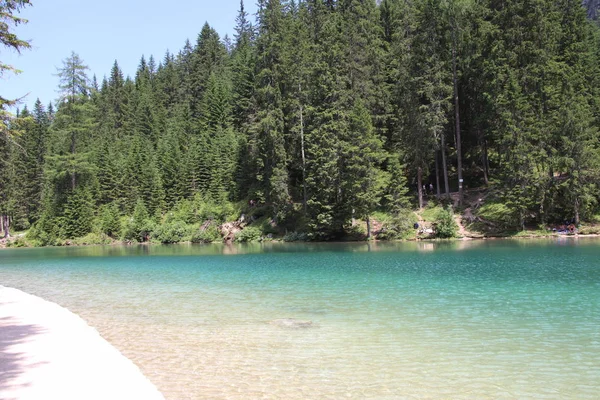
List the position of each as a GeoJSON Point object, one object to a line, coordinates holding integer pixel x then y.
{"type": "Point", "coordinates": [34, 146]}
{"type": "Point", "coordinates": [8, 21]}
{"type": "Point", "coordinates": [271, 163]}
{"type": "Point", "coordinates": [361, 154]}
{"type": "Point", "coordinates": [432, 76]}
{"type": "Point", "coordinates": [208, 57]}
{"type": "Point", "coordinates": [78, 213]}
{"type": "Point", "coordinates": [326, 118]}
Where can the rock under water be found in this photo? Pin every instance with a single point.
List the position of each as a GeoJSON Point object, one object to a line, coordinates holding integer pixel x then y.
{"type": "Point", "coordinates": [292, 323]}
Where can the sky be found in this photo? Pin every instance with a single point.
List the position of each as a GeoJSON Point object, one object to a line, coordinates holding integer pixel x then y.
{"type": "Point", "coordinates": [102, 32]}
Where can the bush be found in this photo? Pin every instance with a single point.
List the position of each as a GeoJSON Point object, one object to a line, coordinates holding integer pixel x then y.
{"type": "Point", "coordinates": [139, 226]}
{"type": "Point", "coordinates": [249, 234]}
{"type": "Point", "coordinates": [45, 232]}
{"type": "Point", "coordinates": [170, 232]}
{"type": "Point", "coordinates": [266, 226]}
{"type": "Point", "coordinates": [209, 235]}
{"type": "Point", "coordinates": [110, 222]}
{"type": "Point", "coordinates": [445, 224]}
{"type": "Point", "coordinates": [295, 237]}
{"type": "Point", "coordinates": [92, 238]}
{"type": "Point", "coordinates": [589, 230]}
{"type": "Point", "coordinates": [18, 242]}
{"type": "Point", "coordinates": [184, 211]}
{"type": "Point", "coordinates": [499, 214]}
{"type": "Point", "coordinates": [400, 226]}
{"type": "Point", "coordinates": [205, 208]}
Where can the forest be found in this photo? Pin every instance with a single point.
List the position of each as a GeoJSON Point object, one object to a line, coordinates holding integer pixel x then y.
{"type": "Point", "coordinates": [315, 115]}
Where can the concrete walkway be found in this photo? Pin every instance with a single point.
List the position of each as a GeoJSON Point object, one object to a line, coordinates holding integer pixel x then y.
{"type": "Point", "coordinates": [47, 352]}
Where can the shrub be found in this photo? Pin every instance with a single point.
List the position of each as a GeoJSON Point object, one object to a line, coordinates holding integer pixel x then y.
{"type": "Point", "coordinates": [17, 242]}
{"type": "Point", "coordinates": [589, 230]}
{"type": "Point", "coordinates": [92, 238]}
{"type": "Point", "coordinates": [249, 234]}
{"type": "Point", "coordinates": [170, 232]}
{"type": "Point", "coordinates": [400, 226]}
{"type": "Point", "coordinates": [266, 225]}
{"type": "Point", "coordinates": [205, 208]}
{"type": "Point", "coordinates": [139, 227]}
{"type": "Point", "coordinates": [209, 235]}
{"type": "Point", "coordinates": [184, 211]}
{"type": "Point", "coordinates": [445, 225]}
{"type": "Point", "coordinates": [45, 232]}
{"type": "Point", "coordinates": [110, 222]}
{"type": "Point", "coordinates": [295, 237]}
{"type": "Point", "coordinates": [499, 214]}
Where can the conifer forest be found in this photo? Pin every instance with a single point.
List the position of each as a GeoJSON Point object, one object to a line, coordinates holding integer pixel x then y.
{"type": "Point", "coordinates": [317, 114]}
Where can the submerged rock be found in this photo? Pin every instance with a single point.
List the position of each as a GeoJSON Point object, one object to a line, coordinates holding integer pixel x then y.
{"type": "Point", "coordinates": [292, 323]}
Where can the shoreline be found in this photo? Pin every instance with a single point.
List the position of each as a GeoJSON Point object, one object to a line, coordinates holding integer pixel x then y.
{"type": "Point", "coordinates": [49, 352]}
{"type": "Point", "coordinates": [455, 239]}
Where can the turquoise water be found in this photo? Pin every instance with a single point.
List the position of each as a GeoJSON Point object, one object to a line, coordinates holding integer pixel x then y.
{"type": "Point", "coordinates": [462, 320]}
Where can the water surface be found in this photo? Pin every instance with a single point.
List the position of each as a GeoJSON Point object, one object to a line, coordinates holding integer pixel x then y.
{"type": "Point", "coordinates": [462, 320]}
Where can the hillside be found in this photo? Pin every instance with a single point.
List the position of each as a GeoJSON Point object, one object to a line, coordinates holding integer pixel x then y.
{"type": "Point", "coordinates": [317, 116]}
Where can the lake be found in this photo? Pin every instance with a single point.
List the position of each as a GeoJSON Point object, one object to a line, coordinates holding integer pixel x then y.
{"type": "Point", "coordinates": [499, 319]}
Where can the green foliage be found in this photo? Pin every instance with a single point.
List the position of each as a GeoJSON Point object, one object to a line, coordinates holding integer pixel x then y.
{"type": "Point", "coordinates": [266, 225]}
{"type": "Point", "coordinates": [323, 113]}
{"type": "Point", "coordinates": [209, 235]}
{"type": "Point", "coordinates": [249, 234]}
{"type": "Point", "coordinates": [91, 238]}
{"type": "Point", "coordinates": [499, 214]}
{"type": "Point", "coordinates": [18, 242]}
{"type": "Point", "coordinates": [45, 232]}
{"type": "Point", "coordinates": [295, 237]}
{"type": "Point", "coordinates": [139, 226]}
{"type": "Point", "coordinates": [206, 208]}
{"type": "Point", "coordinates": [170, 232]}
{"type": "Point", "coordinates": [397, 226]}
{"type": "Point", "coordinates": [78, 213]}
{"type": "Point", "coordinates": [445, 225]}
{"type": "Point", "coordinates": [589, 230]}
{"type": "Point", "coordinates": [430, 212]}
{"type": "Point", "coordinates": [8, 21]}
{"type": "Point", "coordinates": [110, 221]}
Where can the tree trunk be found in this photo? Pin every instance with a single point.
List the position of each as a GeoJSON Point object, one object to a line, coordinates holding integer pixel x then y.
{"type": "Point", "coordinates": [576, 206]}
{"type": "Point", "coordinates": [73, 152]}
{"type": "Point", "coordinates": [420, 186]}
{"type": "Point", "coordinates": [368, 228]}
{"type": "Point", "coordinates": [522, 220]}
{"type": "Point", "coordinates": [457, 119]}
{"type": "Point", "coordinates": [6, 226]}
{"type": "Point", "coordinates": [445, 167]}
{"type": "Point", "coordinates": [486, 165]}
{"type": "Point", "coordinates": [304, 195]}
{"type": "Point", "coordinates": [437, 174]}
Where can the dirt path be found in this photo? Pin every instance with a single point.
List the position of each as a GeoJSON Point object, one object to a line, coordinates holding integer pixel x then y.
{"type": "Point", "coordinates": [462, 232]}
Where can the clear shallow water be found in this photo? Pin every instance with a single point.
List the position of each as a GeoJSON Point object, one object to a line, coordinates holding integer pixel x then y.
{"type": "Point", "coordinates": [463, 320]}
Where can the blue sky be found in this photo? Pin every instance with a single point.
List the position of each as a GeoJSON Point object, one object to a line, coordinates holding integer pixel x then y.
{"type": "Point", "coordinates": [104, 31]}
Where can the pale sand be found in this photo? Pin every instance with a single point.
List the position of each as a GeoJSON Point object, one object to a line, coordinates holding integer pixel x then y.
{"type": "Point", "coordinates": [47, 352]}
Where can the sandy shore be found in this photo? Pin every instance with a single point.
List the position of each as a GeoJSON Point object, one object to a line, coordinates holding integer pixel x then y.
{"type": "Point", "coordinates": [47, 352]}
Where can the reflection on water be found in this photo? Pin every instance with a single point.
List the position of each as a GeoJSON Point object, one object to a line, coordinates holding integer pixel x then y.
{"type": "Point", "coordinates": [461, 320]}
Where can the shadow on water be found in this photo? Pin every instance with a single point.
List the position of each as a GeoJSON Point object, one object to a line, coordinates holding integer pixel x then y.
{"type": "Point", "coordinates": [14, 363]}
